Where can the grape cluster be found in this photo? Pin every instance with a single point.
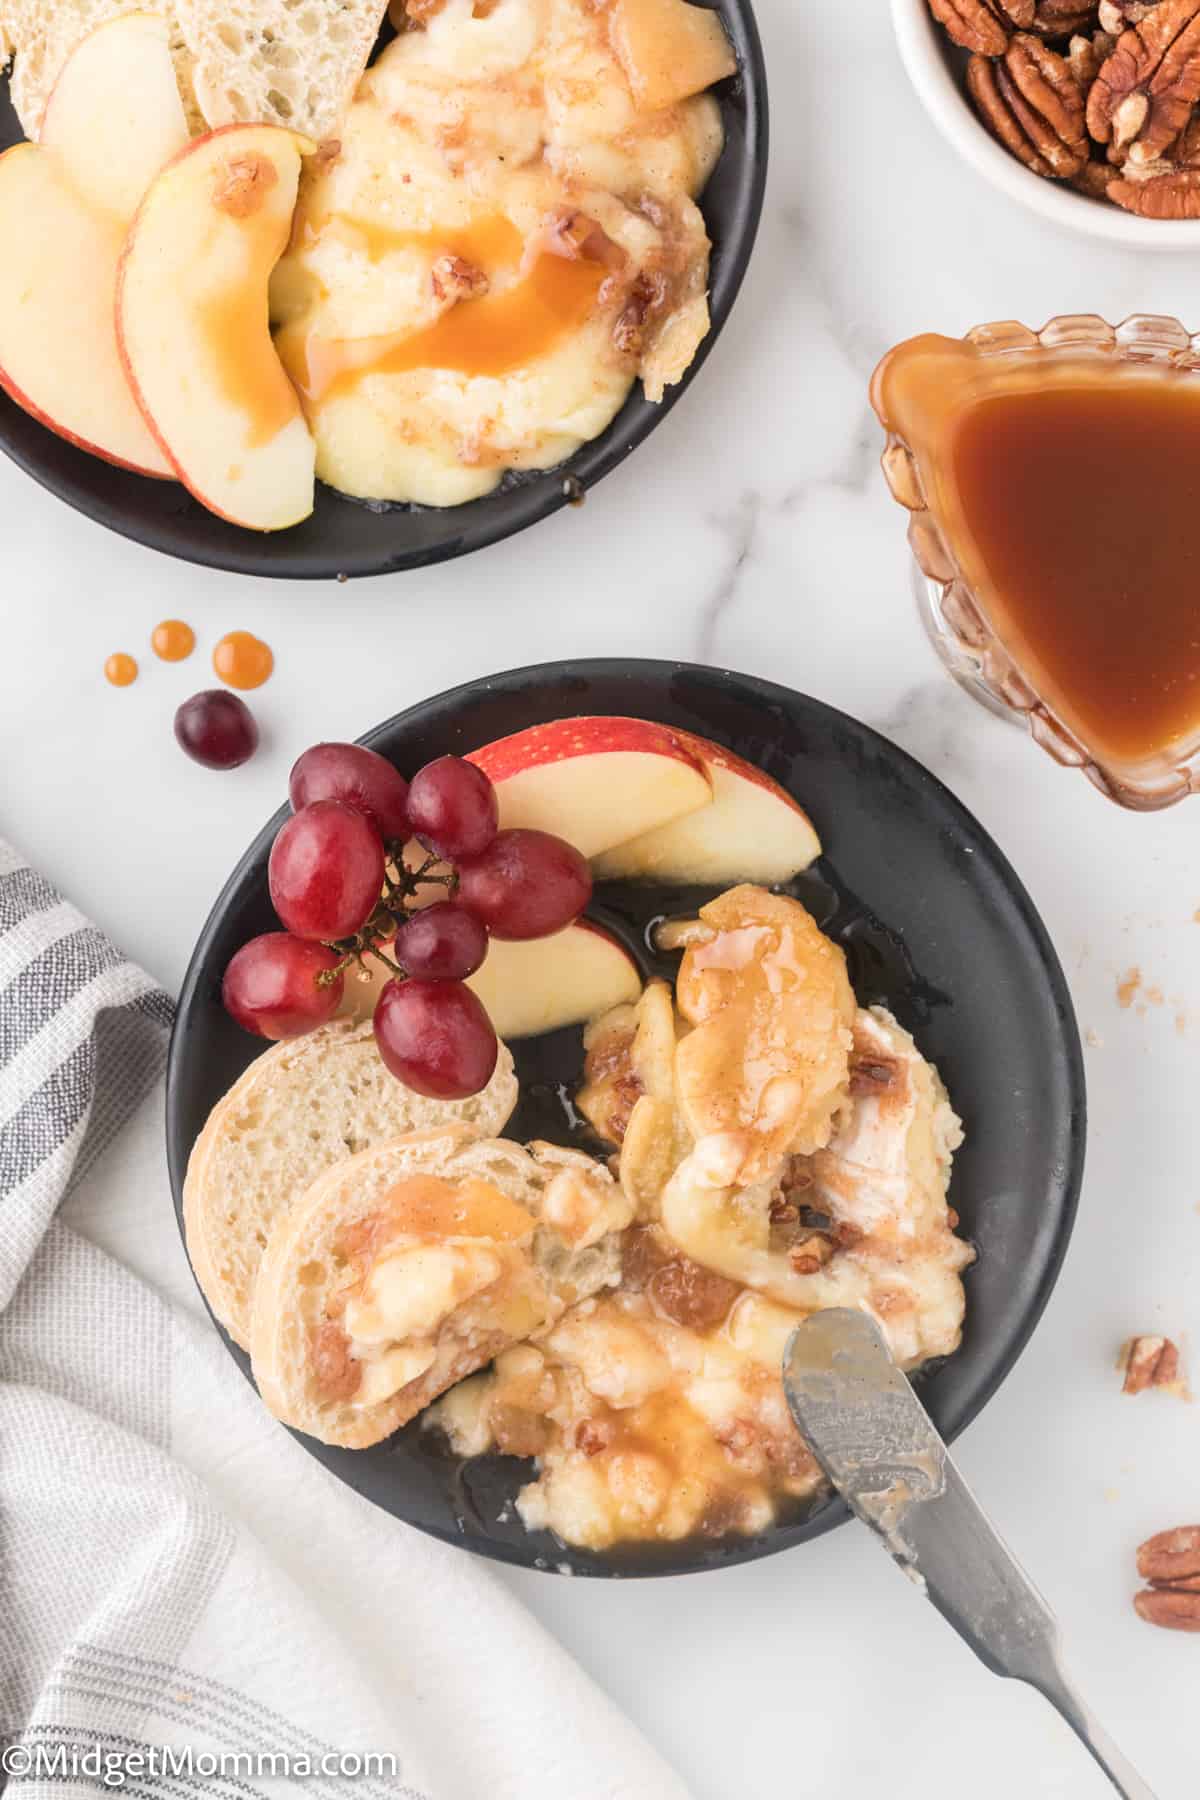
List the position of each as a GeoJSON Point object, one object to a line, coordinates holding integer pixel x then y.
{"type": "Point", "coordinates": [344, 890]}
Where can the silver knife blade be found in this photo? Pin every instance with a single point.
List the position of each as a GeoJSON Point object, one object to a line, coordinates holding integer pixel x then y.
{"type": "Point", "coordinates": [880, 1449]}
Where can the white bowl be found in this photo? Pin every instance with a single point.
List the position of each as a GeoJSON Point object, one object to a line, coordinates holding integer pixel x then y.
{"type": "Point", "coordinates": [927, 54]}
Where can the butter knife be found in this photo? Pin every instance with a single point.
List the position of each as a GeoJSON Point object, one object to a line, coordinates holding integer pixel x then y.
{"type": "Point", "coordinates": [880, 1449]}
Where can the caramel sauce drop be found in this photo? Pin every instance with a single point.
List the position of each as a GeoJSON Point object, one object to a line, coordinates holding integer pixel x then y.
{"type": "Point", "coordinates": [120, 669]}
{"type": "Point", "coordinates": [242, 660]}
{"type": "Point", "coordinates": [488, 336]}
{"type": "Point", "coordinates": [172, 640]}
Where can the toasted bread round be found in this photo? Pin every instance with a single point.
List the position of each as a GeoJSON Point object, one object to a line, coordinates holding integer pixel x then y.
{"type": "Point", "coordinates": [411, 1266]}
{"type": "Point", "coordinates": [300, 1108]}
{"type": "Point", "coordinates": [237, 61]}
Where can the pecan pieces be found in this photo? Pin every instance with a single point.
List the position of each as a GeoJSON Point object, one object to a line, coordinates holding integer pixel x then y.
{"type": "Point", "coordinates": [1030, 100]}
{"type": "Point", "coordinates": [453, 278]}
{"type": "Point", "coordinates": [1170, 1562]}
{"type": "Point", "coordinates": [1151, 1362]}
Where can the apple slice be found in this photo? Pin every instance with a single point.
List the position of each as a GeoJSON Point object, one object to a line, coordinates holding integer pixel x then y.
{"type": "Point", "coordinates": [113, 118]}
{"type": "Point", "coordinates": [58, 352]}
{"type": "Point", "coordinates": [114, 115]}
{"type": "Point", "coordinates": [594, 781]}
{"type": "Point", "coordinates": [533, 986]}
{"type": "Point", "coordinates": [753, 831]}
{"type": "Point", "coordinates": [194, 330]}
{"type": "Point", "coordinates": [668, 49]}
{"type": "Point", "coordinates": [545, 983]}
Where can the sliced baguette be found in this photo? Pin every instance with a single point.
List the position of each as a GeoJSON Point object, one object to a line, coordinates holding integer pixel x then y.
{"type": "Point", "coordinates": [278, 62]}
{"type": "Point", "coordinates": [378, 1291]}
{"type": "Point", "coordinates": [272, 62]}
{"type": "Point", "coordinates": [301, 1107]}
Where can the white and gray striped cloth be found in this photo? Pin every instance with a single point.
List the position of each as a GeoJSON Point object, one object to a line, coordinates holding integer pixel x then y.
{"type": "Point", "coordinates": [175, 1573]}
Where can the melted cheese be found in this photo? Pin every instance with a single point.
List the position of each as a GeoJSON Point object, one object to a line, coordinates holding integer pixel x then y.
{"type": "Point", "coordinates": [468, 139]}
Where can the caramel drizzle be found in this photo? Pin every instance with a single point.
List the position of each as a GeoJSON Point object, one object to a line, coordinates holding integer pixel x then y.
{"type": "Point", "coordinates": [490, 335]}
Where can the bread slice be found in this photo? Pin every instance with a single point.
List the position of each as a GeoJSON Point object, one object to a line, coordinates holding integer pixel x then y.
{"type": "Point", "coordinates": [416, 1263]}
{"type": "Point", "coordinates": [299, 1108]}
{"type": "Point", "coordinates": [274, 62]}
{"type": "Point", "coordinates": [278, 62]}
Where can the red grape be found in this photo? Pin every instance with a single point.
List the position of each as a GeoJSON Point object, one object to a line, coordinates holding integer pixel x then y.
{"type": "Point", "coordinates": [216, 729]}
{"type": "Point", "coordinates": [326, 870]}
{"type": "Point", "coordinates": [452, 808]}
{"type": "Point", "coordinates": [436, 1038]}
{"type": "Point", "coordinates": [271, 987]}
{"type": "Point", "coordinates": [443, 943]}
{"type": "Point", "coordinates": [360, 777]}
{"type": "Point", "coordinates": [525, 885]}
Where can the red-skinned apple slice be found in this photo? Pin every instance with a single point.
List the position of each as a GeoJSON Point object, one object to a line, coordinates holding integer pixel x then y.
{"type": "Point", "coordinates": [113, 118]}
{"type": "Point", "coordinates": [194, 329]}
{"type": "Point", "coordinates": [538, 985]}
{"type": "Point", "coordinates": [594, 781]}
{"type": "Point", "coordinates": [753, 831]}
{"type": "Point", "coordinates": [543, 984]}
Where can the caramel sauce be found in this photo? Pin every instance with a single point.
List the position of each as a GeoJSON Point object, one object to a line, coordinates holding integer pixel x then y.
{"type": "Point", "coordinates": [1084, 506]}
{"type": "Point", "coordinates": [120, 669]}
{"type": "Point", "coordinates": [490, 242]}
{"type": "Point", "coordinates": [429, 1206]}
{"type": "Point", "coordinates": [488, 336]}
{"type": "Point", "coordinates": [1067, 489]}
{"type": "Point", "coordinates": [242, 660]}
{"type": "Point", "coordinates": [235, 326]}
{"type": "Point", "coordinates": [172, 640]}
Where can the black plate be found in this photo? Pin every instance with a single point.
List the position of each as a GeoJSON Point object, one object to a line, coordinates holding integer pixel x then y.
{"type": "Point", "coordinates": [935, 925]}
{"type": "Point", "coordinates": [345, 537]}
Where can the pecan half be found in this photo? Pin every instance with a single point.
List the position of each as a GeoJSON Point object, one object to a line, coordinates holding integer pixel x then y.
{"type": "Point", "coordinates": [983, 26]}
{"type": "Point", "coordinates": [1144, 94]}
{"type": "Point", "coordinates": [1168, 1607]}
{"type": "Point", "coordinates": [1060, 18]}
{"type": "Point", "coordinates": [1175, 195]}
{"type": "Point", "coordinates": [1170, 1562]}
{"type": "Point", "coordinates": [1150, 1362]}
{"type": "Point", "coordinates": [1170, 1557]}
{"type": "Point", "coordinates": [1032, 103]}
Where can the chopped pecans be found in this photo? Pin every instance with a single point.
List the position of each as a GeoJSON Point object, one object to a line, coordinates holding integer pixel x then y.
{"type": "Point", "coordinates": [1151, 1362]}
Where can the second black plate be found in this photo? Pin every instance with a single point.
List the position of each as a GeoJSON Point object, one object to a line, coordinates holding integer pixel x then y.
{"type": "Point", "coordinates": [935, 925]}
{"type": "Point", "coordinates": [345, 537]}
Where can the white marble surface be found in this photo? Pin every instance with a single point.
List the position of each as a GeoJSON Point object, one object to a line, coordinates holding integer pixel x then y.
{"type": "Point", "coordinates": [753, 531]}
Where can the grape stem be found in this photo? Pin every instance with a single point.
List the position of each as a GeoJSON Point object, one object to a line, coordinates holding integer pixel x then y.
{"type": "Point", "coordinates": [391, 912]}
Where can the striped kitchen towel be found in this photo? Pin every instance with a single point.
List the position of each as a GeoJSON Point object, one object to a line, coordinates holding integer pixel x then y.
{"type": "Point", "coordinates": [188, 1603]}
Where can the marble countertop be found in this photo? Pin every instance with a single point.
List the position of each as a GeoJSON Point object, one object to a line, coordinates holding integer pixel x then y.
{"type": "Point", "coordinates": [753, 532]}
